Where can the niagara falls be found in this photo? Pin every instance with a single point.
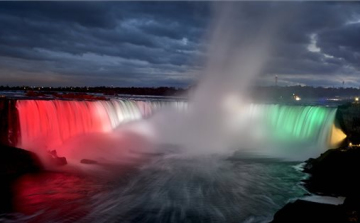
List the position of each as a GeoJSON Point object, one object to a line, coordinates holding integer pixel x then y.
{"type": "Point", "coordinates": [210, 111]}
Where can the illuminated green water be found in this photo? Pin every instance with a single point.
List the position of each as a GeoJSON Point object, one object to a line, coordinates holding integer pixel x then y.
{"type": "Point", "coordinates": [296, 125]}
{"type": "Point", "coordinates": [300, 123]}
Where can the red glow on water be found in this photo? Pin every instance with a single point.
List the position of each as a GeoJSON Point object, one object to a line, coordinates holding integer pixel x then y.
{"type": "Point", "coordinates": [64, 197]}
{"type": "Point", "coordinates": [53, 196]}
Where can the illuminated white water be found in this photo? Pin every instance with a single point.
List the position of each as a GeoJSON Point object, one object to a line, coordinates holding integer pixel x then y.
{"type": "Point", "coordinates": [292, 132]}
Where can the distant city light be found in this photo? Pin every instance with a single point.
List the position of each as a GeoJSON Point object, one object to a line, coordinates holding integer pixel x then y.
{"type": "Point", "coordinates": [356, 99]}
{"type": "Point", "coordinates": [296, 97]}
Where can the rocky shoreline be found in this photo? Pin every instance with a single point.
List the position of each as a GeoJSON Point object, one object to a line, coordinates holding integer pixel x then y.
{"type": "Point", "coordinates": [335, 173]}
{"type": "Point", "coordinates": [14, 162]}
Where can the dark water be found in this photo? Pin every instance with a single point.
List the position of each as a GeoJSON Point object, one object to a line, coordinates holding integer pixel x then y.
{"type": "Point", "coordinates": [169, 188]}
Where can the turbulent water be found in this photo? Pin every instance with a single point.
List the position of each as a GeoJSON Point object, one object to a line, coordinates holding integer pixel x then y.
{"type": "Point", "coordinates": [212, 189]}
{"type": "Point", "coordinates": [170, 188]}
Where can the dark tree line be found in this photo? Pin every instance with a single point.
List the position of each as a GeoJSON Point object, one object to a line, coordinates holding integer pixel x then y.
{"type": "Point", "coordinates": [161, 91]}
{"type": "Point", "coordinates": [258, 92]}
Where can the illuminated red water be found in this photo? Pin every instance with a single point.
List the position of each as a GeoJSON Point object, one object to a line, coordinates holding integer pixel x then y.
{"type": "Point", "coordinates": [65, 196]}
{"type": "Point", "coordinates": [53, 196]}
{"type": "Point", "coordinates": [47, 124]}
{"type": "Point", "coordinates": [52, 122]}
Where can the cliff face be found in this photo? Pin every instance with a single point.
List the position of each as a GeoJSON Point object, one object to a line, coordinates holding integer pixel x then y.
{"type": "Point", "coordinates": [9, 122]}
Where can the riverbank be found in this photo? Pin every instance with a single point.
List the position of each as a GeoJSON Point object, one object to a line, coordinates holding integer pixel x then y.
{"type": "Point", "coordinates": [14, 162]}
{"type": "Point", "coordinates": [335, 173]}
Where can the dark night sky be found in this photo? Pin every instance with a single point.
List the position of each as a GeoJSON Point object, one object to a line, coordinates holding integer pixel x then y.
{"type": "Point", "coordinates": [164, 44]}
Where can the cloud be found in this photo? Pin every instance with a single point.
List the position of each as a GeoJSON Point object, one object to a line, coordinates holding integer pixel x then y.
{"type": "Point", "coordinates": [164, 43]}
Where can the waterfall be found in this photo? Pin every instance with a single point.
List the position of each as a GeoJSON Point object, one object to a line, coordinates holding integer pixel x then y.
{"type": "Point", "coordinates": [304, 123]}
{"type": "Point", "coordinates": [48, 123]}
{"type": "Point", "coordinates": [295, 129]}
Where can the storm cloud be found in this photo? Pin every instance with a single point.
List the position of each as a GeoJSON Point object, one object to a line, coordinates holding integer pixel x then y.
{"type": "Point", "coordinates": [164, 43]}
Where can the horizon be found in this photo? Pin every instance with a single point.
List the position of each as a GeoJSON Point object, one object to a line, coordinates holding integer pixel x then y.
{"type": "Point", "coordinates": [176, 87]}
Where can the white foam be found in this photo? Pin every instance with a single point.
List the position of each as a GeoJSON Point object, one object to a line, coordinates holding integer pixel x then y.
{"type": "Point", "coordinates": [325, 199]}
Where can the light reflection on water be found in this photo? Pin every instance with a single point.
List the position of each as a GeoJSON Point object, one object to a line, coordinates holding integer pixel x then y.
{"type": "Point", "coordinates": [170, 188]}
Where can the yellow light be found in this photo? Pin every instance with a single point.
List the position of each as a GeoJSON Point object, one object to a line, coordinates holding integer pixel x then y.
{"type": "Point", "coordinates": [350, 144]}
{"type": "Point", "coordinates": [356, 98]}
{"type": "Point", "coordinates": [337, 137]}
{"type": "Point", "coordinates": [297, 98]}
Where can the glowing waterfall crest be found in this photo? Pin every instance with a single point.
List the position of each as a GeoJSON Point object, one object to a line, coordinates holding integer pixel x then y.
{"type": "Point", "coordinates": [48, 123]}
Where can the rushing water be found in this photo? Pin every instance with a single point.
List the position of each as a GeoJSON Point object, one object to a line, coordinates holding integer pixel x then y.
{"type": "Point", "coordinates": [49, 123]}
{"type": "Point", "coordinates": [209, 189]}
{"type": "Point", "coordinates": [169, 188]}
{"type": "Point", "coordinates": [293, 131]}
